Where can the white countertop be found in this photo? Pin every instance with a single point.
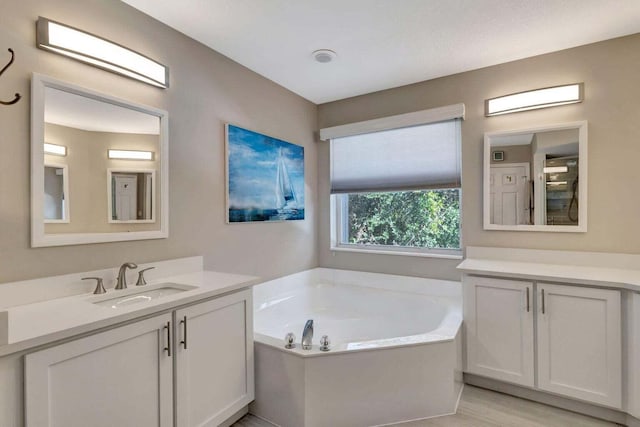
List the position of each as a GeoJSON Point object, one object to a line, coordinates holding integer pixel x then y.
{"type": "Point", "coordinates": [580, 268]}
{"type": "Point", "coordinates": [39, 323]}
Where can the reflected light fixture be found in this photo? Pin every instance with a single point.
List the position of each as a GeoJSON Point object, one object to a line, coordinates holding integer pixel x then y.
{"type": "Point", "coordinates": [64, 40]}
{"type": "Point", "coordinates": [130, 154]}
{"type": "Point", "coordinates": [56, 150]}
{"type": "Point", "coordinates": [534, 99]}
{"type": "Point", "coordinates": [556, 169]}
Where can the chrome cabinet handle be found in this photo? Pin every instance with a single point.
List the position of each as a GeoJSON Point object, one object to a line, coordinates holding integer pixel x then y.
{"type": "Point", "coordinates": [542, 290]}
{"type": "Point", "coordinates": [168, 347]}
{"type": "Point", "coordinates": [184, 332]}
{"type": "Point", "coordinates": [528, 305]}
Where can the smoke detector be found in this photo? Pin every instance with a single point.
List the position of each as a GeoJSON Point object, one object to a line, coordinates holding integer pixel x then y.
{"type": "Point", "coordinates": [324, 55]}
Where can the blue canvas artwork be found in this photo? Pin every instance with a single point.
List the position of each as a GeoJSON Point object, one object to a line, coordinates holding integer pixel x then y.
{"type": "Point", "coordinates": [265, 177]}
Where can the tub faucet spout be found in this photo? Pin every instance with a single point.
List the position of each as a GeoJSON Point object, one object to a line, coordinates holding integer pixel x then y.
{"type": "Point", "coordinates": [307, 335]}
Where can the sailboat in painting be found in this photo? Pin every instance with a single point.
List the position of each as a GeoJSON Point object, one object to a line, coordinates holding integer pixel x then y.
{"type": "Point", "coordinates": [286, 200]}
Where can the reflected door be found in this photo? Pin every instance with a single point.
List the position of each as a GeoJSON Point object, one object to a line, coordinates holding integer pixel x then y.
{"type": "Point", "coordinates": [509, 199]}
{"type": "Point", "coordinates": [126, 195]}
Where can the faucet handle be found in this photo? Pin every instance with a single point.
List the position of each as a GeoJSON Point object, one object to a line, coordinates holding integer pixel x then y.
{"type": "Point", "coordinates": [141, 281]}
{"type": "Point", "coordinates": [99, 286]}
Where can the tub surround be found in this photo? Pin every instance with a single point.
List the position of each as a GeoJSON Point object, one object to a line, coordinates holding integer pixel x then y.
{"type": "Point", "coordinates": [396, 347]}
{"type": "Point", "coordinates": [590, 300]}
{"type": "Point", "coordinates": [27, 321]}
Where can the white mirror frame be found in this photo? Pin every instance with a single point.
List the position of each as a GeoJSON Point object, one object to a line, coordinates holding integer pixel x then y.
{"type": "Point", "coordinates": [582, 184]}
{"type": "Point", "coordinates": [110, 219]}
{"type": "Point", "coordinates": [39, 238]}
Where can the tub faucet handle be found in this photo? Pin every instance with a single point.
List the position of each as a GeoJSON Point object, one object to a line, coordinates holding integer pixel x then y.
{"type": "Point", "coordinates": [325, 343]}
{"type": "Point", "coordinates": [290, 340]}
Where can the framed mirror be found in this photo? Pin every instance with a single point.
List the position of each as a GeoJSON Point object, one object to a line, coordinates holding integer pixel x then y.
{"type": "Point", "coordinates": [535, 179]}
{"type": "Point", "coordinates": [93, 142]}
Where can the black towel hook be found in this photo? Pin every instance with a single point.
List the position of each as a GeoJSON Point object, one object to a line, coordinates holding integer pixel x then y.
{"type": "Point", "coordinates": [17, 97]}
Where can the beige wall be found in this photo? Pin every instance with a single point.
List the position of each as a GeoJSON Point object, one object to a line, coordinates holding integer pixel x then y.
{"type": "Point", "coordinates": [207, 90]}
{"type": "Point", "coordinates": [609, 71]}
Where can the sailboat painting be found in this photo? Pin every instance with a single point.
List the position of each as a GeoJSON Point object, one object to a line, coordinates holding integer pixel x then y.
{"type": "Point", "coordinates": [265, 177]}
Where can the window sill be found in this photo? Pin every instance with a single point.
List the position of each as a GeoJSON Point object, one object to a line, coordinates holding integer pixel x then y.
{"type": "Point", "coordinates": [398, 252]}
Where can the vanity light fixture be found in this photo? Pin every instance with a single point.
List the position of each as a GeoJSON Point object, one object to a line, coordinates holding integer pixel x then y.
{"type": "Point", "coordinates": [556, 169]}
{"type": "Point", "coordinates": [56, 150]}
{"type": "Point", "coordinates": [82, 46]}
{"type": "Point", "coordinates": [534, 99]}
{"type": "Point", "coordinates": [130, 155]}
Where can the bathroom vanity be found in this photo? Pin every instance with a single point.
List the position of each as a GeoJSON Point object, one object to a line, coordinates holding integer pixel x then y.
{"type": "Point", "coordinates": [180, 347]}
{"type": "Point", "coordinates": [565, 324]}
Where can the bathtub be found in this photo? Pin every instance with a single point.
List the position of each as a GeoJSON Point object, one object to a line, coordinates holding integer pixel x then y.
{"type": "Point", "coordinates": [395, 351]}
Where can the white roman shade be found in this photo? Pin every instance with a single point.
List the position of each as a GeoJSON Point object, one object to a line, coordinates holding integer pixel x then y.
{"type": "Point", "coordinates": [415, 156]}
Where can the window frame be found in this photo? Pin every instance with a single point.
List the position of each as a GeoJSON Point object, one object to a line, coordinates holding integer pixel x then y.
{"type": "Point", "coordinates": [448, 112]}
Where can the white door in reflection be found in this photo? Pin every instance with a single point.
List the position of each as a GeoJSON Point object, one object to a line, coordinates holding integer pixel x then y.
{"type": "Point", "coordinates": [509, 195]}
{"type": "Point", "coordinates": [126, 196]}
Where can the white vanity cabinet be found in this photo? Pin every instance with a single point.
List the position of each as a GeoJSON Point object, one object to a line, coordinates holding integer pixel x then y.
{"type": "Point", "coordinates": [121, 377]}
{"type": "Point", "coordinates": [125, 376]}
{"type": "Point", "coordinates": [498, 315]}
{"type": "Point", "coordinates": [578, 340]}
{"type": "Point", "coordinates": [214, 360]}
{"type": "Point", "coordinates": [580, 343]}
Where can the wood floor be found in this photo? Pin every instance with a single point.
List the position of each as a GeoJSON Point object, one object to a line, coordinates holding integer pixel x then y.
{"type": "Point", "coordinates": [483, 408]}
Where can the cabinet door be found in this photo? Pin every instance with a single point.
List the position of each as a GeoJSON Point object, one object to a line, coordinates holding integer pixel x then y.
{"type": "Point", "coordinates": [579, 343]}
{"type": "Point", "coordinates": [214, 359]}
{"type": "Point", "coordinates": [122, 377]}
{"type": "Point", "coordinates": [499, 328]}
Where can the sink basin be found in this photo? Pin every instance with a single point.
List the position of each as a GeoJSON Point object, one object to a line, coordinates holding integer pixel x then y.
{"type": "Point", "coordinates": [141, 295]}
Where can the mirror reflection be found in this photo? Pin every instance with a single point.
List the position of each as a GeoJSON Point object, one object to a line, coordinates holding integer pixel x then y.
{"type": "Point", "coordinates": [131, 196]}
{"type": "Point", "coordinates": [56, 204]}
{"type": "Point", "coordinates": [532, 179]}
{"type": "Point", "coordinates": [87, 134]}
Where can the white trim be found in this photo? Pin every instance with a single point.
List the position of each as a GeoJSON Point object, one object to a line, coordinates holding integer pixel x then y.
{"type": "Point", "coordinates": [449, 112]}
{"type": "Point", "coordinates": [38, 236]}
{"type": "Point", "coordinates": [582, 185]}
{"type": "Point", "coordinates": [402, 250]}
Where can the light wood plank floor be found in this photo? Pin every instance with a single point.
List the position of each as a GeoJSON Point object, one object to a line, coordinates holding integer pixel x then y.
{"type": "Point", "coordinates": [483, 408]}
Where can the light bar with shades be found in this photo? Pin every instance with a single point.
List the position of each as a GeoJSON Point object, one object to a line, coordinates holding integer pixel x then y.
{"type": "Point", "coordinates": [64, 40]}
{"type": "Point", "coordinates": [56, 150]}
{"type": "Point", "coordinates": [130, 155]}
{"type": "Point", "coordinates": [534, 99]}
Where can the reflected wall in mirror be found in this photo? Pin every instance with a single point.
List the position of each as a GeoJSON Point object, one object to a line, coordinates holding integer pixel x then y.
{"type": "Point", "coordinates": [56, 190]}
{"type": "Point", "coordinates": [131, 196]}
{"type": "Point", "coordinates": [536, 179]}
{"type": "Point", "coordinates": [89, 124]}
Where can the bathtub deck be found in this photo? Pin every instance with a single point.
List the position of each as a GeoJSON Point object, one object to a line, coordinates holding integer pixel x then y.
{"type": "Point", "coordinates": [483, 408]}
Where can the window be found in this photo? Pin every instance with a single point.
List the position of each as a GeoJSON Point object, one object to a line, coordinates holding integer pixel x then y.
{"type": "Point", "coordinates": [398, 189]}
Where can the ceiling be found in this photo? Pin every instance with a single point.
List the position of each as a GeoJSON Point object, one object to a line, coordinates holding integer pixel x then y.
{"type": "Point", "coordinates": [382, 44]}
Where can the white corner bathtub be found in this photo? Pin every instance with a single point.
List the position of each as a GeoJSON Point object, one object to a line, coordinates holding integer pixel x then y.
{"type": "Point", "coordinates": [395, 349]}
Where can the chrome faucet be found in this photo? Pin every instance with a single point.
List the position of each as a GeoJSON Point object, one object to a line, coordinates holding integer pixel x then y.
{"type": "Point", "coordinates": [307, 335]}
{"type": "Point", "coordinates": [121, 283]}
